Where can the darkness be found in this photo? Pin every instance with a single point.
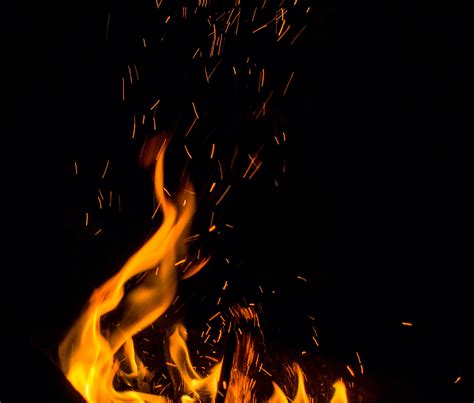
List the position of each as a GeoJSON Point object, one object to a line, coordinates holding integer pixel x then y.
{"type": "Point", "coordinates": [373, 209]}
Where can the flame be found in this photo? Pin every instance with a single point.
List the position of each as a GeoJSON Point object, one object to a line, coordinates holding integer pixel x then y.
{"type": "Point", "coordinates": [96, 358]}
{"type": "Point", "coordinates": [340, 395]}
{"type": "Point", "coordinates": [88, 354]}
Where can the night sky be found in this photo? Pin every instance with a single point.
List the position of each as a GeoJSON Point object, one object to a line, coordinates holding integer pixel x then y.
{"type": "Point", "coordinates": [372, 209]}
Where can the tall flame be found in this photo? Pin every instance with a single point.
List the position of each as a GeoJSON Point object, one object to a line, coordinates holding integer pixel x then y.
{"type": "Point", "coordinates": [94, 356]}
{"type": "Point", "coordinates": [88, 354]}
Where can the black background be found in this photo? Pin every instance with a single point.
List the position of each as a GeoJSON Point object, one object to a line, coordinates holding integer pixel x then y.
{"type": "Point", "coordinates": [375, 210]}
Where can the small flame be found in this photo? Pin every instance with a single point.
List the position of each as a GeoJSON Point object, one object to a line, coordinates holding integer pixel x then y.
{"type": "Point", "coordinates": [340, 394]}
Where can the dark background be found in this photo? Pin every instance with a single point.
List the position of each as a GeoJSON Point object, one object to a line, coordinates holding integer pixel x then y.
{"type": "Point", "coordinates": [374, 211]}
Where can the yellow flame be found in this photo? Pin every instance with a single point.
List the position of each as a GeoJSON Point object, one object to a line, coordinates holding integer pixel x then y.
{"type": "Point", "coordinates": [340, 394]}
{"type": "Point", "coordinates": [88, 353]}
{"type": "Point", "coordinates": [195, 386]}
{"type": "Point", "coordinates": [301, 396]}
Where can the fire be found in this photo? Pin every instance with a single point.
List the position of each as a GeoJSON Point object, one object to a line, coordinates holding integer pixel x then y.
{"type": "Point", "coordinates": [96, 357]}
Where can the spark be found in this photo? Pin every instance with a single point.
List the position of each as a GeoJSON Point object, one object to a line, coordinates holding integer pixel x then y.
{"type": "Point", "coordinates": [75, 168]}
{"type": "Point", "coordinates": [187, 152]}
{"type": "Point", "coordinates": [302, 278]}
{"type": "Point", "coordinates": [315, 341]}
{"type": "Point", "coordinates": [458, 379]}
{"type": "Point", "coordinates": [213, 149]}
{"type": "Point", "coordinates": [195, 53]}
{"type": "Point", "coordinates": [155, 104]}
{"type": "Point", "coordinates": [288, 83]}
{"type": "Point", "coordinates": [211, 358]}
{"type": "Point", "coordinates": [87, 218]}
{"type": "Point", "coordinates": [212, 187]}
{"type": "Point", "coordinates": [191, 127]}
{"type": "Point", "coordinates": [298, 34]}
{"type": "Point", "coordinates": [221, 171]}
{"type": "Point", "coordinates": [350, 370]}
{"type": "Point", "coordinates": [255, 170]}
{"type": "Point", "coordinates": [212, 228]}
{"type": "Point", "coordinates": [123, 89]}
{"type": "Point", "coordinates": [408, 324]}
{"type": "Point", "coordinates": [130, 74]}
{"type": "Point", "coordinates": [223, 195]}
{"type": "Point", "coordinates": [155, 211]}
{"type": "Point", "coordinates": [214, 316]}
{"type": "Point", "coordinates": [105, 170]}
{"type": "Point", "coordinates": [136, 71]}
{"type": "Point", "coordinates": [180, 262]}
{"type": "Point", "coordinates": [284, 33]}
{"type": "Point", "coordinates": [134, 127]}
{"type": "Point", "coordinates": [360, 363]}
{"type": "Point", "coordinates": [98, 232]}
{"type": "Point", "coordinates": [195, 111]}
{"type": "Point", "coordinates": [192, 238]}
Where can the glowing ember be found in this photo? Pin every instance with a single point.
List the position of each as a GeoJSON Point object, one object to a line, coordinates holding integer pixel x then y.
{"type": "Point", "coordinates": [97, 358]}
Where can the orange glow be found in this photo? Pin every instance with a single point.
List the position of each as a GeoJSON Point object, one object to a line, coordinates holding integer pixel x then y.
{"type": "Point", "coordinates": [96, 357]}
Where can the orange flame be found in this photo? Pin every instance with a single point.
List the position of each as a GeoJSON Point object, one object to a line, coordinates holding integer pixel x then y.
{"type": "Point", "coordinates": [94, 356]}
{"type": "Point", "coordinates": [87, 355]}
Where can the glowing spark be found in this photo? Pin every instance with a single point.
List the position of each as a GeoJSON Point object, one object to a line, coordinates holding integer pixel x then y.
{"type": "Point", "coordinates": [212, 187]}
{"type": "Point", "coordinates": [284, 33]}
{"type": "Point", "coordinates": [191, 127]}
{"type": "Point", "coordinates": [223, 195]}
{"type": "Point", "coordinates": [195, 111]}
{"type": "Point", "coordinates": [288, 83]}
{"type": "Point", "coordinates": [213, 148]}
{"type": "Point", "coordinates": [136, 71]}
{"type": "Point", "coordinates": [360, 363]}
{"type": "Point", "coordinates": [255, 170]}
{"type": "Point", "coordinates": [214, 316]}
{"type": "Point", "coordinates": [196, 53]}
{"type": "Point", "coordinates": [298, 34]}
{"type": "Point", "coordinates": [221, 171]}
{"type": "Point", "coordinates": [302, 278]}
{"type": "Point", "coordinates": [350, 370]}
{"type": "Point", "coordinates": [180, 262]}
{"type": "Point", "coordinates": [123, 89]}
{"type": "Point", "coordinates": [458, 379]}
{"type": "Point", "coordinates": [134, 127]}
{"type": "Point", "coordinates": [75, 167]}
{"type": "Point", "coordinates": [155, 104]}
{"type": "Point", "coordinates": [407, 324]}
{"type": "Point", "coordinates": [187, 152]}
{"type": "Point", "coordinates": [98, 232]}
{"type": "Point", "coordinates": [87, 218]}
{"type": "Point", "coordinates": [105, 169]}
